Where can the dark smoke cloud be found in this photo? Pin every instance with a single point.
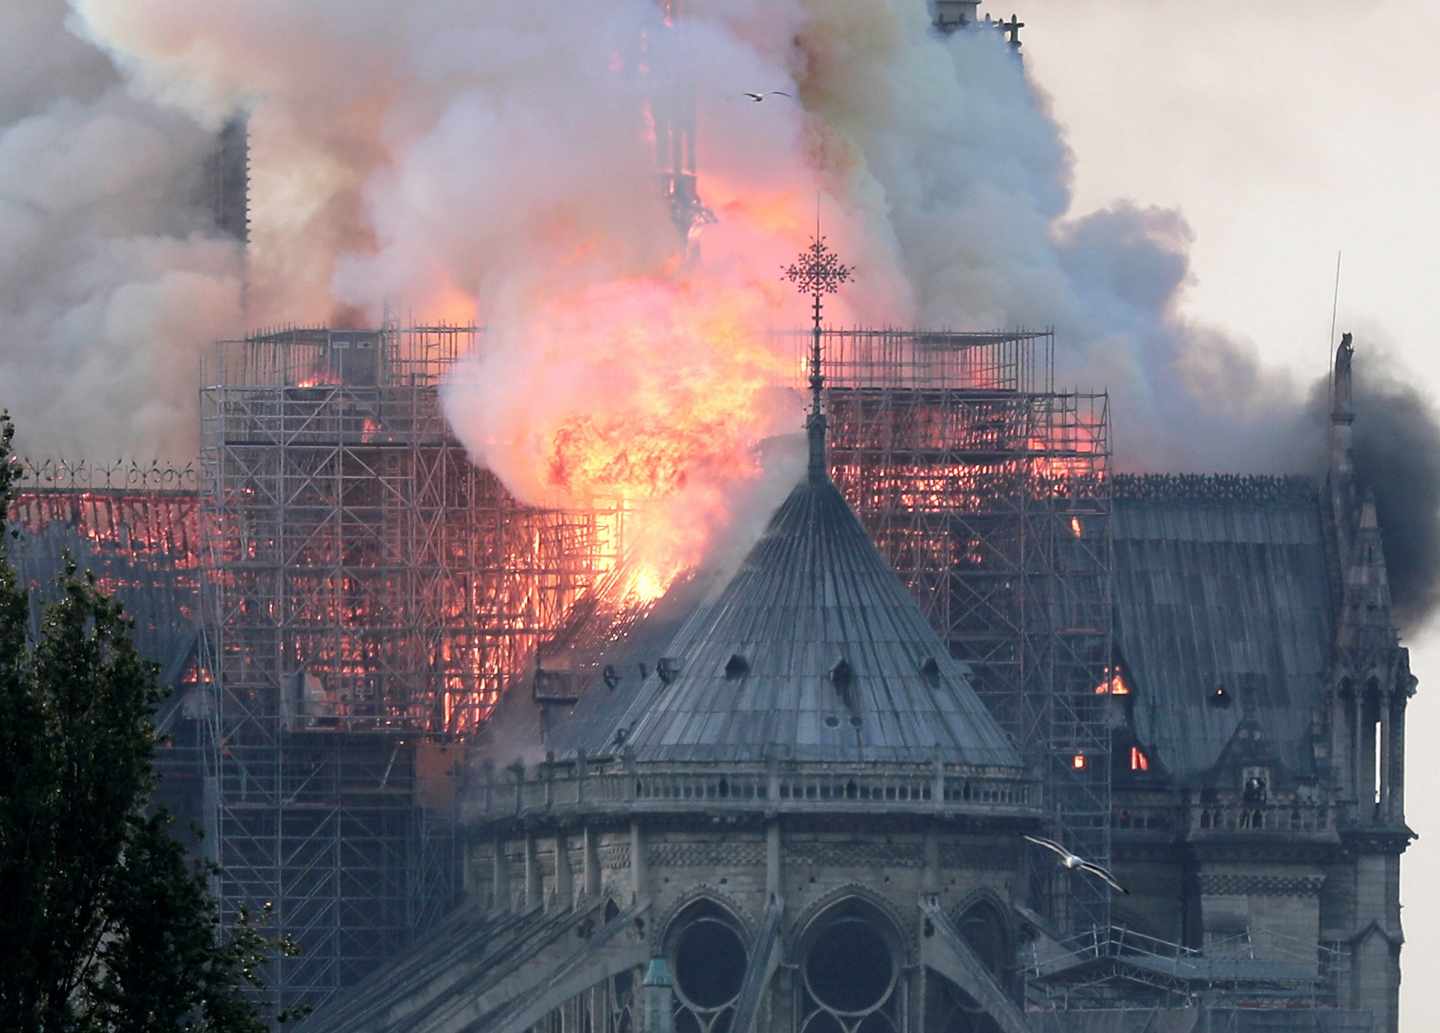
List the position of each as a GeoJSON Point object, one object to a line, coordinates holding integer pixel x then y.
{"type": "Point", "coordinates": [1397, 456]}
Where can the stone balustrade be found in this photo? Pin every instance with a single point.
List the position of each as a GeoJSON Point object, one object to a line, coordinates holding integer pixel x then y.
{"type": "Point", "coordinates": [1306, 819]}
{"type": "Point", "coordinates": [780, 788]}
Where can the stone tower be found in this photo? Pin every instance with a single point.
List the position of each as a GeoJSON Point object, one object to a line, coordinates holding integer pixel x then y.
{"type": "Point", "coordinates": [1367, 691]}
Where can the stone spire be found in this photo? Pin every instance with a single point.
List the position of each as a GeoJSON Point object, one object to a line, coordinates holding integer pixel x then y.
{"type": "Point", "coordinates": [1340, 480]}
{"type": "Point", "coordinates": [1342, 411]}
{"type": "Point", "coordinates": [818, 271]}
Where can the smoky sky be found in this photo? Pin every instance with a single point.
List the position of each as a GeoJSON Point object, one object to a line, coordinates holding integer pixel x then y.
{"type": "Point", "coordinates": [942, 159]}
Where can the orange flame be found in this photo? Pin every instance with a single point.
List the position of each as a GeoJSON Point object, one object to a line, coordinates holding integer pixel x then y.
{"type": "Point", "coordinates": [1114, 684]}
{"type": "Point", "coordinates": [647, 392]}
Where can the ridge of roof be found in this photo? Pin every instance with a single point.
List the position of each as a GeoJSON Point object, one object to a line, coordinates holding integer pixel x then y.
{"type": "Point", "coordinates": [1214, 488]}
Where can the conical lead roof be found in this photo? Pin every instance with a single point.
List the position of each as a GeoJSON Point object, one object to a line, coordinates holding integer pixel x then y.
{"type": "Point", "coordinates": [813, 651]}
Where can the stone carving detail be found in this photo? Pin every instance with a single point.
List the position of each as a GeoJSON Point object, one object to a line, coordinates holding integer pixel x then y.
{"type": "Point", "coordinates": [909, 930]}
{"type": "Point", "coordinates": [855, 855]}
{"type": "Point", "coordinates": [616, 855]}
{"type": "Point", "coordinates": [702, 892]}
{"type": "Point", "coordinates": [955, 856]}
{"type": "Point", "coordinates": [717, 854]}
{"type": "Point", "coordinates": [1237, 885]}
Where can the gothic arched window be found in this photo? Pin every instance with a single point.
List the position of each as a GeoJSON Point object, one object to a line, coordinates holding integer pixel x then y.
{"type": "Point", "coordinates": [851, 963]}
{"type": "Point", "coordinates": [708, 957]}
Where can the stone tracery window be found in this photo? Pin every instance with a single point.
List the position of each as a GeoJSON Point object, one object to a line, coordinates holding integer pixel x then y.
{"type": "Point", "coordinates": [850, 972]}
{"type": "Point", "coordinates": [708, 958]}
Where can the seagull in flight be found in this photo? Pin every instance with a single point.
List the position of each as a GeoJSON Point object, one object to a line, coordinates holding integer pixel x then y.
{"type": "Point", "coordinates": [1074, 862]}
{"type": "Point", "coordinates": [758, 97]}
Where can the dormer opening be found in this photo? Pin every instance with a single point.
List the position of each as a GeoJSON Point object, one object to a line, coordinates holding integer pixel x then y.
{"type": "Point", "coordinates": [1113, 682]}
{"type": "Point", "coordinates": [841, 675]}
{"type": "Point", "coordinates": [930, 671]}
{"type": "Point", "coordinates": [668, 668]}
{"type": "Point", "coordinates": [1130, 758]}
{"type": "Point", "coordinates": [1255, 785]}
{"type": "Point", "coordinates": [736, 667]}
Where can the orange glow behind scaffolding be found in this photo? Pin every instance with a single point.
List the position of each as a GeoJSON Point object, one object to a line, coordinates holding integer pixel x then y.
{"type": "Point", "coordinates": [1114, 684]}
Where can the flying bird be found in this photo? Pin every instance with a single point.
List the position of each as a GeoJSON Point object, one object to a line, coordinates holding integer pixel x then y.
{"type": "Point", "coordinates": [1074, 862]}
{"type": "Point", "coordinates": [758, 97]}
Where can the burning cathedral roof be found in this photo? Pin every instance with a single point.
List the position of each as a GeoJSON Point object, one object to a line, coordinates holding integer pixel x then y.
{"type": "Point", "coordinates": [1223, 612]}
{"type": "Point", "coordinates": [813, 651]}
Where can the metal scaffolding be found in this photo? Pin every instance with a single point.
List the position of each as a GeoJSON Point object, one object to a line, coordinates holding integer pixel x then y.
{"type": "Point", "coordinates": [367, 593]}
{"type": "Point", "coordinates": [989, 492]}
{"type": "Point", "coordinates": [1114, 968]}
{"type": "Point", "coordinates": [136, 529]}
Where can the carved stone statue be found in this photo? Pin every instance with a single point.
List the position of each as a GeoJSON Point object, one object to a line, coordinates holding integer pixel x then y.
{"type": "Point", "coordinates": [1341, 391]}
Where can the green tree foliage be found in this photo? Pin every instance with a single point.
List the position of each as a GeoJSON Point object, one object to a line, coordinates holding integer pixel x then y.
{"type": "Point", "coordinates": [105, 926]}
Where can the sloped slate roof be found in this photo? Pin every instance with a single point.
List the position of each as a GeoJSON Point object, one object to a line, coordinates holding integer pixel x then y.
{"type": "Point", "coordinates": [160, 597]}
{"type": "Point", "coordinates": [1230, 592]}
{"type": "Point", "coordinates": [812, 592]}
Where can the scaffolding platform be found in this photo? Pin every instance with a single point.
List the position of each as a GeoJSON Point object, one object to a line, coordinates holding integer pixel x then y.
{"type": "Point", "coordinates": [1113, 967]}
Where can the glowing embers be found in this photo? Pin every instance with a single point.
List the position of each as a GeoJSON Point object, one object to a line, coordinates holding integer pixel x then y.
{"type": "Point", "coordinates": [1079, 762]}
{"type": "Point", "coordinates": [1139, 760]}
{"type": "Point", "coordinates": [851, 973]}
{"type": "Point", "coordinates": [1220, 697]}
{"type": "Point", "coordinates": [1113, 683]}
{"type": "Point", "coordinates": [708, 957]}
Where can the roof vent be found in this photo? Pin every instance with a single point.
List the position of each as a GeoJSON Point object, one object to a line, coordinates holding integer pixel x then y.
{"type": "Point", "coordinates": [668, 668]}
{"type": "Point", "coordinates": [620, 734]}
{"type": "Point", "coordinates": [611, 676]}
{"type": "Point", "coordinates": [930, 671]}
{"type": "Point", "coordinates": [737, 667]}
{"type": "Point", "coordinates": [840, 676]}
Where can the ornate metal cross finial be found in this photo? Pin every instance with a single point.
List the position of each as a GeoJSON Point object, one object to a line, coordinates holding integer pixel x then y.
{"type": "Point", "coordinates": [817, 272]}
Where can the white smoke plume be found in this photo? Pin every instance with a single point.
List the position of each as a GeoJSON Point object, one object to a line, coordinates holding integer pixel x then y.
{"type": "Point", "coordinates": [483, 159]}
{"type": "Point", "coordinates": [488, 160]}
{"type": "Point", "coordinates": [110, 277]}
